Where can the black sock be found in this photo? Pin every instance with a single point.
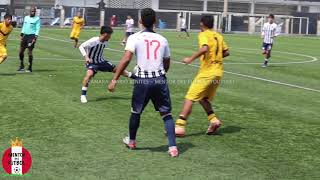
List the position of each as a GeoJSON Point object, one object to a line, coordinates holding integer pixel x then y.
{"type": "Point", "coordinates": [30, 61]}
{"type": "Point", "coordinates": [183, 118]}
{"type": "Point", "coordinates": [169, 125]}
{"type": "Point", "coordinates": [134, 124]}
{"type": "Point", "coordinates": [21, 56]}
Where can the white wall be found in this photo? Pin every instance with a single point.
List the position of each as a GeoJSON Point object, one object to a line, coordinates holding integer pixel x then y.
{"type": "Point", "coordinates": [4, 2]}
{"type": "Point", "coordinates": [314, 9]}
{"type": "Point", "coordinates": [82, 3]}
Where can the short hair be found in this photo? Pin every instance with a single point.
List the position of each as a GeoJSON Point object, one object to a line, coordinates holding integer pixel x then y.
{"type": "Point", "coordinates": [8, 16]}
{"type": "Point", "coordinates": [181, 16]}
{"type": "Point", "coordinates": [148, 17]}
{"type": "Point", "coordinates": [106, 29]}
{"type": "Point", "coordinates": [271, 16]}
{"type": "Point", "coordinates": [207, 21]}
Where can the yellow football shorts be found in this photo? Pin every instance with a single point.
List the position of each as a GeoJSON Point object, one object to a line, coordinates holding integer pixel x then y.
{"type": "Point", "coordinates": [75, 34]}
{"type": "Point", "coordinates": [203, 87]}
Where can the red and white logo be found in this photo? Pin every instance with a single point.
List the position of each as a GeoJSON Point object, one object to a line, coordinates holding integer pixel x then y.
{"type": "Point", "coordinates": [16, 159]}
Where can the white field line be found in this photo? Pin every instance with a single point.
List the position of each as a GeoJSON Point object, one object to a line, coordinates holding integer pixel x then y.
{"type": "Point", "coordinates": [228, 72]}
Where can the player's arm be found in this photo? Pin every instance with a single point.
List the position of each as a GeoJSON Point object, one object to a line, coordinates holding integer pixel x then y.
{"type": "Point", "coordinates": [263, 32]}
{"type": "Point", "coordinates": [203, 50]}
{"type": "Point", "coordinates": [226, 51]}
{"type": "Point", "coordinates": [38, 24]}
{"type": "Point", "coordinates": [84, 47]}
{"type": "Point", "coordinates": [166, 57]}
{"type": "Point", "coordinates": [23, 30]}
{"type": "Point", "coordinates": [123, 64]}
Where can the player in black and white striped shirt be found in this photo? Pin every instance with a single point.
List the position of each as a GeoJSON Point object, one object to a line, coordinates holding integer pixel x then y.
{"type": "Point", "coordinates": [268, 34]}
{"type": "Point", "coordinates": [92, 51]}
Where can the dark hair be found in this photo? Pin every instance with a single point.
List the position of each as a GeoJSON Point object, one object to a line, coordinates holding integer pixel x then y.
{"type": "Point", "coordinates": [106, 29]}
{"type": "Point", "coordinates": [7, 16]}
{"type": "Point", "coordinates": [207, 21]}
{"type": "Point", "coordinates": [148, 17]}
{"type": "Point", "coordinates": [181, 16]}
{"type": "Point", "coordinates": [271, 16]}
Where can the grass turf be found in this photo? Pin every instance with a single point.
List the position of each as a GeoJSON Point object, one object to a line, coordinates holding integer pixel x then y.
{"type": "Point", "coordinates": [270, 131]}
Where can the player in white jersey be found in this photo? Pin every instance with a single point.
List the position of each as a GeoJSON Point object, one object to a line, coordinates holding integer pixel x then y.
{"type": "Point", "coordinates": [129, 29]}
{"type": "Point", "coordinates": [92, 51]}
{"type": "Point", "coordinates": [183, 26]}
{"type": "Point", "coordinates": [153, 60]}
{"type": "Point", "coordinates": [268, 34]}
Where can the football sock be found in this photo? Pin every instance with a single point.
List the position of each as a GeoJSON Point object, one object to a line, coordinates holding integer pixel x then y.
{"type": "Point", "coordinates": [169, 125]}
{"type": "Point", "coordinates": [30, 61]}
{"type": "Point", "coordinates": [84, 90]}
{"type": "Point", "coordinates": [266, 61]}
{"type": "Point", "coordinates": [21, 56]}
{"type": "Point", "coordinates": [212, 117]}
{"type": "Point", "coordinates": [134, 124]}
{"type": "Point", "coordinates": [181, 122]}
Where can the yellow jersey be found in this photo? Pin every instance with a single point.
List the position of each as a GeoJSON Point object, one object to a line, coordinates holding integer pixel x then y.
{"type": "Point", "coordinates": [211, 63]}
{"type": "Point", "coordinates": [77, 23]}
{"type": "Point", "coordinates": [4, 33]}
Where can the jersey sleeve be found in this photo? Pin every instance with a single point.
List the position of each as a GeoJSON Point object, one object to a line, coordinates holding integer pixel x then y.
{"type": "Point", "coordinates": [224, 45]}
{"type": "Point", "coordinates": [23, 30]}
{"type": "Point", "coordinates": [131, 45]}
{"type": "Point", "coordinates": [38, 24]}
{"type": "Point", "coordinates": [166, 53]}
{"type": "Point", "coordinates": [203, 40]}
{"type": "Point", "coordinates": [86, 45]}
{"type": "Point", "coordinates": [263, 30]}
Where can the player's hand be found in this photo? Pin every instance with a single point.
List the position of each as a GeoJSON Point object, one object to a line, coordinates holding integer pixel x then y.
{"type": "Point", "coordinates": [112, 85]}
{"type": "Point", "coordinates": [187, 60]}
{"type": "Point", "coordinates": [88, 60]}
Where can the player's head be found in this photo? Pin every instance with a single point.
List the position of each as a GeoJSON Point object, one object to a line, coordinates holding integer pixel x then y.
{"type": "Point", "coordinates": [79, 14]}
{"type": "Point", "coordinates": [148, 18]}
{"type": "Point", "coordinates": [7, 19]}
{"type": "Point", "coordinates": [33, 11]}
{"type": "Point", "coordinates": [106, 32]}
{"type": "Point", "coordinates": [129, 17]}
{"type": "Point", "coordinates": [270, 18]}
{"type": "Point", "coordinates": [206, 22]}
{"type": "Point", "coordinates": [181, 16]}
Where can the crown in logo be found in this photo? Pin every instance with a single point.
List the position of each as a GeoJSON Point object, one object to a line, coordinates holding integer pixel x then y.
{"type": "Point", "coordinates": [16, 142]}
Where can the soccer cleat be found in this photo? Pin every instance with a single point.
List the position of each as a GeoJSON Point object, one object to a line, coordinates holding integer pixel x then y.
{"type": "Point", "coordinates": [173, 151]}
{"type": "Point", "coordinates": [180, 128]}
{"type": "Point", "coordinates": [29, 69]}
{"type": "Point", "coordinates": [21, 69]}
{"type": "Point", "coordinates": [131, 144]}
{"type": "Point", "coordinates": [83, 99]}
{"type": "Point", "coordinates": [213, 126]}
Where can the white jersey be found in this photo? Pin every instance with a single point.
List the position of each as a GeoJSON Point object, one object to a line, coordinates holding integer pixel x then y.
{"type": "Point", "coordinates": [183, 23]}
{"type": "Point", "coordinates": [94, 49]}
{"type": "Point", "coordinates": [150, 49]}
{"type": "Point", "coordinates": [269, 32]}
{"type": "Point", "coordinates": [130, 24]}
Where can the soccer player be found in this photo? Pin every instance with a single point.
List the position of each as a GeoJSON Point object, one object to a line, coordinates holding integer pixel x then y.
{"type": "Point", "coordinates": [212, 50]}
{"type": "Point", "coordinates": [77, 25]}
{"type": "Point", "coordinates": [153, 60]}
{"type": "Point", "coordinates": [29, 35]}
{"type": "Point", "coordinates": [92, 51]}
{"type": "Point", "coordinates": [268, 34]}
{"type": "Point", "coordinates": [5, 30]}
{"type": "Point", "coordinates": [183, 26]}
{"type": "Point", "coordinates": [129, 29]}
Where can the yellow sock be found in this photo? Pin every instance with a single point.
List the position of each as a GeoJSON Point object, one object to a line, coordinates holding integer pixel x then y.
{"type": "Point", "coordinates": [181, 123]}
{"type": "Point", "coordinates": [2, 59]}
{"type": "Point", "coordinates": [212, 118]}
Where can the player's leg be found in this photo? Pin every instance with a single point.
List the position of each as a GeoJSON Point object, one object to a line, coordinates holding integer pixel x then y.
{"type": "Point", "coordinates": [21, 54]}
{"type": "Point", "coordinates": [214, 122]}
{"type": "Point", "coordinates": [76, 38]}
{"type": "Point", "coordinates": [85, 84]}
{"type": "Point", "coordinates": [3, 54]}
{"type": "Point", "coordinates": [267, 53]}
{"type": "Point", "coordinates": [109, 67]}
{"type": "Point", "coordinates": [187, 33]}
{"type": "Point", "coordinates": [160, 96]}
{"type": "Point", "coordinates": [30, 54]}
{"type": "Point", "coordinates": [140, 99]}
{"type": "Point", "coordinates": [182, 121]}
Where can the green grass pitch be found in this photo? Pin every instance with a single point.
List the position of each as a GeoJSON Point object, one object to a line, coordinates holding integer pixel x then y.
{"type": "Point", "coordinates": [271, 116]}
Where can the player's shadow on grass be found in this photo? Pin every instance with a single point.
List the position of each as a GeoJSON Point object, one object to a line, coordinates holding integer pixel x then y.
{"type": "Point", "coordinates": [8, 74]}
{"type": "Point", "coordinates": [183, 147]}
{"type": "Point", "coordinates": [220, 132]}
{"type": "Point", "coordinates": [112, 98]}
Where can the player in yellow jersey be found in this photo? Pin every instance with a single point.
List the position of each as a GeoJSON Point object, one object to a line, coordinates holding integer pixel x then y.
{"type": "Point", "coordinates": [77, 25]}
{"type": "Point", "coordinates": [212, 50]}
{"type": "Point", "coordinates": [5, 30]}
